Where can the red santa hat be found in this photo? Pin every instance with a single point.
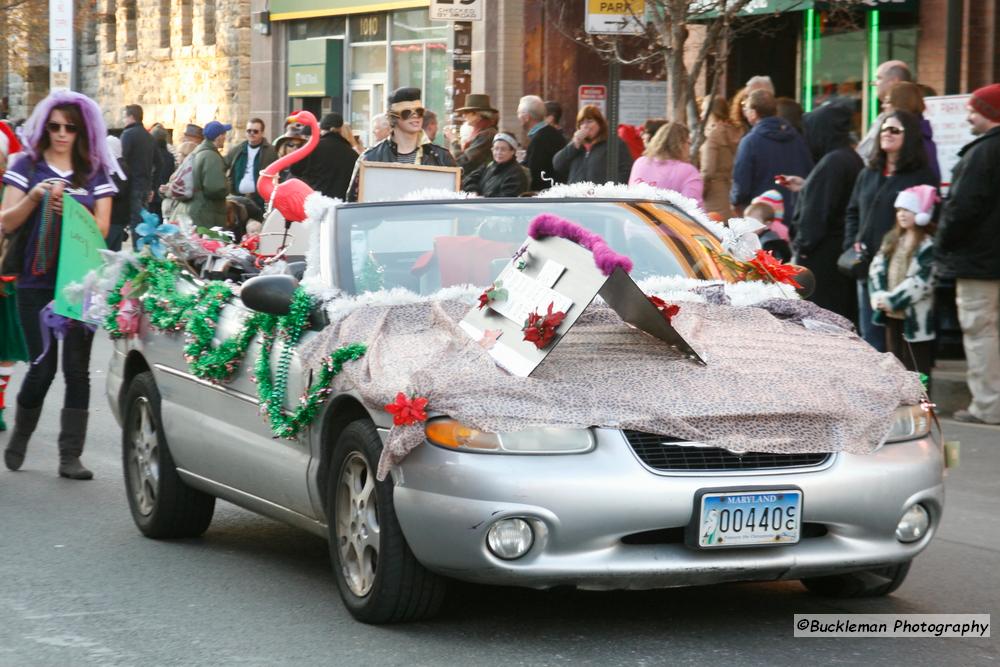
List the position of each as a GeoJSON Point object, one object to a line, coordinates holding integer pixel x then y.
{"type": "Point", "coordinates": [920, 200]}
{"type": "Point", "coordinates": [8, 140]}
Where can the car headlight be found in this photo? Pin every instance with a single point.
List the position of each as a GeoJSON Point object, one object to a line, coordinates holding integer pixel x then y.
{"type": "Point", "coordinates": [910, 422]}
{"type": "Point", "coordinates": [453, 434]}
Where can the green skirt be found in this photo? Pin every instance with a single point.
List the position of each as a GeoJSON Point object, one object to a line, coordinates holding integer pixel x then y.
{"type": "Point", "coordinates": [12, 347]}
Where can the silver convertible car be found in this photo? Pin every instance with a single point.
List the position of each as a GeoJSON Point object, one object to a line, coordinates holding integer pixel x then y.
{"type": "Point", "coordinates": [598, 508]}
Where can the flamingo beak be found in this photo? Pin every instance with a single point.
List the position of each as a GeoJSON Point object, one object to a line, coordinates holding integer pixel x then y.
{"type": "Point", "coordinates": [294, 118]}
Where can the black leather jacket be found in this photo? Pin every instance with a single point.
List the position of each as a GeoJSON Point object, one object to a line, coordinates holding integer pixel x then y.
{"type": "Point", "coordinates": [386, 151]}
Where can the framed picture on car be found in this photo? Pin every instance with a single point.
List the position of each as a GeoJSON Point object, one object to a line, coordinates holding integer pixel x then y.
{"type": "Point", "coordinates": [387, 181]}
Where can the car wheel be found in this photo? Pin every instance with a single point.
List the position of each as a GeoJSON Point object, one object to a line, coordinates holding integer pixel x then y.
{"type": "Point", "coordinates": [162, 505]}
{"type": "Point", "coordinates": [378, 576]}
{"type": "Point", "coordinates": [864, 584]}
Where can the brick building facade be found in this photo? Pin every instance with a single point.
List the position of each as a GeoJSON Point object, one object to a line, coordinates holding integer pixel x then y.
{"type": "Point", "coordinates": [183, 60]}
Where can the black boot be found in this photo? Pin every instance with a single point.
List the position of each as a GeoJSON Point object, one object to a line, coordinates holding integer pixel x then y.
{"type": "Point", "coordinates": [71, 437]}
{"type": "Point", "coordinates": [25, 421]}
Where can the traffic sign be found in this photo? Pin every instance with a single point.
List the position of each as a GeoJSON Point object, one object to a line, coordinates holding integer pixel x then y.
{"type": "Point", "coordinates": [596, 96]}
{"type": "Point", "coordinates": [615, 17]}
{"type": "Point", "coordinates": [456, 10]}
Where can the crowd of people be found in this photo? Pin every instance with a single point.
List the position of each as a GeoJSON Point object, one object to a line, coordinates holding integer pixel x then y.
{"type": "Point", "coordinates": [862, 213]}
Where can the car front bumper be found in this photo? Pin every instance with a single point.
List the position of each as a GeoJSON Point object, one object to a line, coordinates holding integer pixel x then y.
{"type": "Point", "coordinates": [586, 510]}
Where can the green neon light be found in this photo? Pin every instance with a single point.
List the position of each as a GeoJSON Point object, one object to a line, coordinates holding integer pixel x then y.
{"type": "Point", "coordinates": [807, 75]}
{"type": "Point", "coordinates": [874, 104]}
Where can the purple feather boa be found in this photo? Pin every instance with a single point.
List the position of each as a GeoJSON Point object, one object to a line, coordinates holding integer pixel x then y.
{"type": "Point", "coordinates": [606, 259]}
{"type": "Point", "coordinates": [101, 160]}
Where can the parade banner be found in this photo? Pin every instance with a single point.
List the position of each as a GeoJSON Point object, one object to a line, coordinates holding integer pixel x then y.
{"type": "Point", "coordinates": [79, 253]}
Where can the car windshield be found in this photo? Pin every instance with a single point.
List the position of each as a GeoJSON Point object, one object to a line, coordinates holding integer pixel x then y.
{"type": "Point", "coordinates": [424, 247]}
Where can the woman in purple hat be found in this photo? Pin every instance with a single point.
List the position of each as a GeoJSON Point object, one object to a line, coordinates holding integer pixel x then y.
{"type": "Point", "coordinates": [65, 152]}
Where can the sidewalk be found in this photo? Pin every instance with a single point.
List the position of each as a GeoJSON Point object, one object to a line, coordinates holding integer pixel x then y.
{"type": "Point", "coordinates": [948, 389]}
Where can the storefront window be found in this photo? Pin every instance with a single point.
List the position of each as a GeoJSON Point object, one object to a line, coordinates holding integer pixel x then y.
{"type": "Point", "coordinates": [368, 61]}
{"type": "Point", "coordinates": [415, 24]}
{"type": "Point", "coordinates": [841, 52]}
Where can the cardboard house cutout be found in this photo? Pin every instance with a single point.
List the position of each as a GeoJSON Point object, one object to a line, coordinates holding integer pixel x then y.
{"type": "Point", "coordinates": [558, 271]}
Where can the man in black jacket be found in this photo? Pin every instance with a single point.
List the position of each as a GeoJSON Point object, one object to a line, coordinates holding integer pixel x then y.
{"type": "Point", "coordinates": [332, 161]}
{"type": "Point", "coordinates": [406, 143]}
{"type": "Point", "coordinates": [968, 249]}
{"type": "Point", "coordinates": [544, 141]}
{"type": "Point", "coordinates": [137, 151]}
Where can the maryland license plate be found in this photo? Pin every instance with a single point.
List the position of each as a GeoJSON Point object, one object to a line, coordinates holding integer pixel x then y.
{"type": "Point", "coordinates": [744, 518]}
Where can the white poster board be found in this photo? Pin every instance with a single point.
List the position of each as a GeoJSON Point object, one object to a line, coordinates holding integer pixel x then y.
{"type": "Point", "coordinates": [947, 115]}
{"type": "Point", "coordinates": [388, 181]}
{"type": "Point", "coordinates": [638, 101]}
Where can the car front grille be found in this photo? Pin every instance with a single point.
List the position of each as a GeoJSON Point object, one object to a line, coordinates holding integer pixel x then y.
{"type": "Point", "coordinates": [660, 453]}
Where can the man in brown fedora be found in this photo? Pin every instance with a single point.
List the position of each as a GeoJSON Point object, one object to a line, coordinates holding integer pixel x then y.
{"type": "Point", "coordinates": [472, 149]}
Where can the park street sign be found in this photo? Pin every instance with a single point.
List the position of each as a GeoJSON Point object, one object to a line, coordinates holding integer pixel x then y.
{"type": "Point", "coordinates": [615, 17]}
{"type": "Point", "coordinates": [456, 10]}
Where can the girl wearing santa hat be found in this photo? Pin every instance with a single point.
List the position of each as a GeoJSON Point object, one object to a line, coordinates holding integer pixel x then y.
{"type": "Point", "coordinates": [901, 280]}
{"type": "Point", "coordinates": [12, 345]}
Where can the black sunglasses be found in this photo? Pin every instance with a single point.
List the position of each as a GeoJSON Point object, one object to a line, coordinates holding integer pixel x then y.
{"type": "Point", "coordinates": [252, 130]}
{"type": "Point", "coordinates": [891, 129]}
{"type": "Point", "coordinates": [406, 113]}
{"type": "Point", "coordinates": [54, 127]}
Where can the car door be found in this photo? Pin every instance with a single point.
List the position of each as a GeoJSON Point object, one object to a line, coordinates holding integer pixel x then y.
{"type": "Point", "coordinates": [235, 444]}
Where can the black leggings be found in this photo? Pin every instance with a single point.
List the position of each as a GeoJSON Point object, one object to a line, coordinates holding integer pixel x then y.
{"type": "Point", "coordinates": [75, 361]}
{"type": "Point", "coordinates": [917, 357]}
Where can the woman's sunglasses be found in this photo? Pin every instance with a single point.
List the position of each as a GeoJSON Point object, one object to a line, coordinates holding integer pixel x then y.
{"type": "Point", "coordinates": [406, 113]}
{"type": "Point", "coordinates": [54, 127]}
{"type": "Point", "coordinates": [892, 129]}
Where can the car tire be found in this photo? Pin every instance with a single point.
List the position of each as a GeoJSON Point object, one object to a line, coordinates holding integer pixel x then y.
{"type": "Point", "coordinates": [865, 584]}
{"type": "Point", "coordinates": [162, 505]}
{"type": "Point", "coordinates": [379, 578]}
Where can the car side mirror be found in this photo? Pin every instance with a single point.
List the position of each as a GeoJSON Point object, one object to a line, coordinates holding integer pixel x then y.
{"type": "Point", "coordinates": [269, 294]}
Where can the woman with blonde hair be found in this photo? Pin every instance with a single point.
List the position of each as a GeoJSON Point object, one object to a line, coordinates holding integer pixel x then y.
{"type": "Point", "coordinates": [665, 163]}
{"type": "Point", "coordinates": [722, 137]}
{"type": "Point", "coordinates": [908, 96]}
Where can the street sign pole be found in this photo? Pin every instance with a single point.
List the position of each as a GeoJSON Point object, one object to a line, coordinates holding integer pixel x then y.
{"type": "Point", "coordinates": [614, 76]}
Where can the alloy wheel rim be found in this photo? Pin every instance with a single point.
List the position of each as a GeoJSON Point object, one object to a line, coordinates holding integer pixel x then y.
{"type": "Point", "coordinates": [144, 458]}
{"type": "Point", "coordinates": [357, 524]}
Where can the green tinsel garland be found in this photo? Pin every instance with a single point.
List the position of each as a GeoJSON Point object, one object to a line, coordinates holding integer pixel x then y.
{"type": "Point", "coordinates": [198, 315]}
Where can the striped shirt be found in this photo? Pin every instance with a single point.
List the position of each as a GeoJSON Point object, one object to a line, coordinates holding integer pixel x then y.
{"type": "Point", "coordinates": [24, 175]}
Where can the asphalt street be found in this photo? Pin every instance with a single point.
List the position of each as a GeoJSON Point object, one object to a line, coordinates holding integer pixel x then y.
{"type": "Point", "coordinates": [80, 586]}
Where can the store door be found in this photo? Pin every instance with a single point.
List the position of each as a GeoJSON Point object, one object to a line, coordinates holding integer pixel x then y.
{"type": "Point", "coordinates": [367, 101]}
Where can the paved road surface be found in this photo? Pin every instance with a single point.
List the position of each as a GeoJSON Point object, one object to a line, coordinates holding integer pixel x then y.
{"type": "Point", "coordinates": [80, 586]}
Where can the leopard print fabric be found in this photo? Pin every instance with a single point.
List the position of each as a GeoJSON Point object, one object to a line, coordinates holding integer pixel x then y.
{"type": "Point", "coordinates": [769, 383]}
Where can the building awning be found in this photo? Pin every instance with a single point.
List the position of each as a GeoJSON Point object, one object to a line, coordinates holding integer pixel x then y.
{"type": "Point", "coordinates": [283, 10]}
{"type": "Point", "coordinates": [764, 7]}
{"type": "Point", "coordinates": [315, 67]}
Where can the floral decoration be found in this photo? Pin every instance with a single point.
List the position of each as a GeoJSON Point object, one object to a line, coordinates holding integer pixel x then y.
{"type": "Point", "coordinates": [520, 258]}
{"type": "Point", "coordinates": [407, 410]}
{"type": "Point", "coordinates": [668, 310]}
{"type": "Point", "coordinates": [541, 329]}
{"type": "Point", "coordinates": [767, 267]}
{"type": "Point", "coordinates": [763, 267]}
{"type": "Point", "coordinates": [151, 234]}
{"type": "Point", "coordinates": [495, 292]}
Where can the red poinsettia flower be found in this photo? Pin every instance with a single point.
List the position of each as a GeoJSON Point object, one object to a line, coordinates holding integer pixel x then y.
{"type": "Point", "coordinates": [768, 267]}
{"type": "Point", "coordinates": [211, 245]}
{"type": "Point", "coordinates": [484, 298]}
{"type": "Point", "coordinates": [541, 329]}
{"type": "Point", "coordinates": [251, 242]}
{"type": "Point", "coordinates": [406, 410]}
{"type": "Point", "coordinates": [668, 310]}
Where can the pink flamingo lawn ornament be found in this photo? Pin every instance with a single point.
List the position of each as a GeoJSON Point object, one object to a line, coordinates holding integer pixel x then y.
{"type": "Point", "coordinates": [289, 197]}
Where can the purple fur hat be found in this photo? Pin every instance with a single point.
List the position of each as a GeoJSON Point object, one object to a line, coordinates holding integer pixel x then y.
{"type": "Point", "coordinates": [101, 160]}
